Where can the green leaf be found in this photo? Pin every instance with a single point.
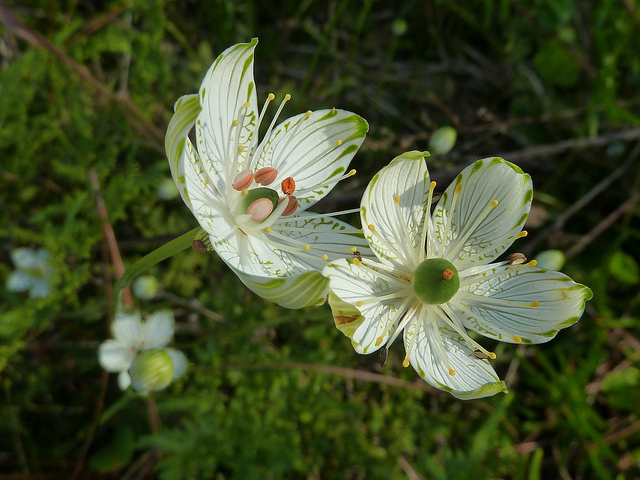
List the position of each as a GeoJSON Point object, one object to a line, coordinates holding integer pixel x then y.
{"type": "Point", "coordinates": [556, 65]}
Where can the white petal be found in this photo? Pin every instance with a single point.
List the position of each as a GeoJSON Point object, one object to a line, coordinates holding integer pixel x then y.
{"type": "Point", "coordinates": [115, 356]}
{"type": "Point", "coordinates": [19, 281]}
{"type": "Point", "coordinates": [435, 348]}
{"type": "Point", "coordinates": [40, 288]}
{"type": "Point", "coordinates": [354, 284]}
{"type": "Point", "coordinates": [398, 226]}
{"type": "Point", "coordinates": [500, 303]}
{"type": "Point", "coordinates": [158, 329]}
{"type": "Point", "coordinates": [186, 111]}
{"type": "Point", "coordinates": [179, 361]}
{"type": "Point", "coordinates": [227, 86]}
{"type": "Point", "coordinates": [124, 380]}
{"type": "Point", "coordinates": [26, 259]}
{"type": "Point", "coordinates": [475, 232]}
{"type": "Point", "coordinates": [314, 150]}
{"type": "Point", "coordinates": [127, 328]}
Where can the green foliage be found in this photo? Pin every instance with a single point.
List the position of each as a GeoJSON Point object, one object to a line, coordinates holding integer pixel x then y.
{"type": "Point", "coordinates": [273, 393]}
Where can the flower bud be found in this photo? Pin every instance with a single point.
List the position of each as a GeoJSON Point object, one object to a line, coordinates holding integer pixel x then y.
{"type": "Point", "coordinates": [151, 370]}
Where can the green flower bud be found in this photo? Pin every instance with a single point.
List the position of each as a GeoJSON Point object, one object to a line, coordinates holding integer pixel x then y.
{"type": "Point", "coordinates": [442, 140]}
{"type": "Point", "coordinates": [435, 281]}
{"type": "Point", "coordinates": [151, 370]}
{"type": "Point", "coordinates": [550, 259]}
{"type": "Point", "coordinates": [146, 287]}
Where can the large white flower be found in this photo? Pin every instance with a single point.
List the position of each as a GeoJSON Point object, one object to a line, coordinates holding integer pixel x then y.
{"type": "Point", "coordinates": [138, 352]}
{"type": "Point", "coordinates": [434, 281]}
{"type": "Point", "coordinates": [251, 197]}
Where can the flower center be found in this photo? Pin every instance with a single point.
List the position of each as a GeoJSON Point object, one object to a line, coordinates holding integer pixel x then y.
{"type": "Point", "coordinates": [435, 281]}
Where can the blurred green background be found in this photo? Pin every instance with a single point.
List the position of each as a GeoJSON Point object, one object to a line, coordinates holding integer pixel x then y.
{"type": "Point", "coordinates": [89, 86]}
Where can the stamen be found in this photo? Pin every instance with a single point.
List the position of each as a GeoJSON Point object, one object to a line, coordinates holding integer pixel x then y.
{"type": "Point", "coordinates": [470, 231]}
{"type": "Point", "coordinates": [291, 206]}
{"type": "Point", "coordinates": [328, 184]}
{"type": "Point", "coordinates": [325, 257]}
{"type": "Point", "coordinates": [267, 230]}
{"type": "Point", "coordinates": [392, 249]}
{"type": "Point", "coordinates": [426, 226]}
{"type": "Point", "coordinates": [314, 160]}
{"type": "Point", "coordinates": [447, 316]}
{"type": "Point", "coordinates": [449, 220]}
{"type": "Point", "coordinates": [288, 186]}
{"type": "Point", "coordinates": [473, 275]}
{"type": "Point", "coordinates": [256, 130]}
{"type": "Point", "coordinates": [235, 154]}
{"type": "Point", "coordinates": [255, 155]}
{"type": "Point", "coordinates": [266, 175]}
{"type": "Point", "coordinates": [306, 247]}
{"type": "Point", "coordinates": [260, 209]}
{"type": "Point", "coordinates": [493, 301]}
{"type": "Point", "coordinates": [406, 314]}
{"type": "Point", "coordinates": [243, 180]}
{"type": "Point", "coordinates": [385, 273]}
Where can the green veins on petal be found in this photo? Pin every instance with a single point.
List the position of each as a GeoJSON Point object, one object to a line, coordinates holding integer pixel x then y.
{"type": "Point", "coordinates": [435, 281]}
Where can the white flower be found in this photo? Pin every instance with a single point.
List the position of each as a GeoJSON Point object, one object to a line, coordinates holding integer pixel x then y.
{"type": "Point", "coordinates": [33, 272]}
{"type": "Point", "coordinates": [251, 196]}
{"type": "Point", "coordinates": [131, 337]}
{"type": "Point", "coordinates": [433, 280]}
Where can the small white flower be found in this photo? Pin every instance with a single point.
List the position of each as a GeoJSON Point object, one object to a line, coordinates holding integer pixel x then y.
{"type": "Point", "coordinates": [33, 272]}
{"type": "Point", "coordinates": [251, 196]}
{"type": "Point", "coordinates": [132, 336]}
{"type": "Point", "coordinates": [433, 280]}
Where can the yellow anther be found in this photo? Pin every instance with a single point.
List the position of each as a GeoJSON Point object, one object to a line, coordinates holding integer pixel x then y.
{"type": "Point", "coordinates": [356, 261]}
{"type": "Point", "coordinates": [306, 247]}
{"type": "Point", "coordinates": [338, 143]}
{"type": "Point", "coordinates": [379, 340]}
{"type": "Point", "coordinates": [246, 105]}
{"type": "Point", "coordinates": [494, 203]}
{"type": "Point", "coordinates": [452, 372]}
{"type": "Point", "coordinates": [522, 234]}
{"type": "Point", "coordinates": [492, 355]}
{"type": "Point", "coordinates": [405, 362]}
{"type": "Point", "coordinates": [244, 192]}
{"type": "Point", "coordinates": [353, 249]}
{"type": "Point", "coordinates": [458, 188]}
{"type": "Point", "coordinates": [517, 339]}
{"type": "Point", "coordinates": [308, 113]}
{"type": "Point", "coordinates": [333, 110]}
{"type": "Point", "coordinates": [235, 123]}
{"type": "Point", "coordinates": [532, 263]}
{"type": "Point", "coordinates": [240, 148]}
{"type": "Point", "coordinates": [397, 199]}
{"type": "Point", "coordinates": [287, 97]}
{"type": "Point", "coordinates": [371, 227]}
{"type": "Point", "coordinates": [351, 173]}
{"type": "Point", "coordinates": [267, 230]}
{"type": "Point", "coordinates": [358, 304]}
{"type": "Point", "coordinates": [325, 257]}
{"type": "Point", "coordinates": [534, 304]}
{"type": "Point", "coordinates": [432, 186]}
{"type": "Point", "coordinates": [271, 96]}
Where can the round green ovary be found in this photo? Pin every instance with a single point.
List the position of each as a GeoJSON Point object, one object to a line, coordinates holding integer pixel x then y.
{"type": "Point", "coordinates": [258, 193]}
{"type": "Point", "coordinates": [435, 281]}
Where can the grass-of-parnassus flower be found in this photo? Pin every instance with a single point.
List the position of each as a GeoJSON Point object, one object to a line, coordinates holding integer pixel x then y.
{"type": "Point", "coordinates": [433, 280]}
{"type": "Point", "coordinates": [250, 196]}
{"type": "Point", "coordinates": [138, 351]}
{"type": "Point", "coordinates": [33, 272]}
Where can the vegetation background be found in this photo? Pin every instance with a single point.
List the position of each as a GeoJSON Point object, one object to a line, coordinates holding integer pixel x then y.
{"type": "Point", "coordinates": [86, 91]}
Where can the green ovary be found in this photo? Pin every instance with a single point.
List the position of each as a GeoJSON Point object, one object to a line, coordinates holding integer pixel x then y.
{"type": "Point", "coordinates": [435, 281]}
{"type": "Point", "coordinates": [258, 193]}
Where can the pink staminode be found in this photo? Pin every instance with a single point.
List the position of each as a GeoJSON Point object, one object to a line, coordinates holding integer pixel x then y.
{"type": "Point", "coordinates": [266, 175]}
{"type": "Point", "coordinates": [260, 209]}
{"type": "Point", "coordinates": [292, 206]}
{"type": "Point", "coordinates": [243, 180]}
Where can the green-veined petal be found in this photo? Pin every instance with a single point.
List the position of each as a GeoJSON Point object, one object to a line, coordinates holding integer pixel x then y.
{"type": "Point", "coordinates": [529, 303]}
{"type": "Point", "coordinates": [305, 290]}
{"type": "Point", "coordinates": [397, 224]}
{"type": "Point", "coordinates": [475, 232]}
{"type": "Point", "coordinates": [434, 348]}
{"type": "Point", "coordinates": [378, 298]}
{"type": "Point", "coordinates": [226, 89]}
{"type": "Point", "coordinates": [314, 149]}
{"type": "Point", "coordinates": [186, 111]}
